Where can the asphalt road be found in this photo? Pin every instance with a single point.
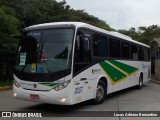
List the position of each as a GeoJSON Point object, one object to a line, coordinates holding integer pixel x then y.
{"type": "Point", "coordinates": [145, 99]}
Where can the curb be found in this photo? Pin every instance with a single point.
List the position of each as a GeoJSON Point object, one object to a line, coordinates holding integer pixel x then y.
{"type": "Point", "coordinates": [5, 87]}
{"type": "Point", "coordinates": [155, 81]}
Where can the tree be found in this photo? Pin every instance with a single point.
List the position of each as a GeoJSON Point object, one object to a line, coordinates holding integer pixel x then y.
{"type": "Point", "coordinates": [8, 26]}
{"type": "Point", "coordinates": [30, 12]}
{"type": "Point", "coordinates": [144, 35]}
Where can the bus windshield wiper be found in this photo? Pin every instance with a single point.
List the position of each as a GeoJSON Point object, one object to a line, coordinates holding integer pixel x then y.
{"type": "Point", "coordinates": [40, 52]}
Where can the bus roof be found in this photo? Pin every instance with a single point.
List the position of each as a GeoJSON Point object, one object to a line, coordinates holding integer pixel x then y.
{"type": "Point", "coordinates": [84, 25]}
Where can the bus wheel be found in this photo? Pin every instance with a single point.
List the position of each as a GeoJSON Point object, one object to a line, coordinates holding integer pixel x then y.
{"type": "Point", "coordinates": [100, 93]}
{"type": "Point", "coordinates": [140, 84]}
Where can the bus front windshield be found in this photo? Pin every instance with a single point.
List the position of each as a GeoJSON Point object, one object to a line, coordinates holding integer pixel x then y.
{"type": "Point", "coordinates": [45, 51]}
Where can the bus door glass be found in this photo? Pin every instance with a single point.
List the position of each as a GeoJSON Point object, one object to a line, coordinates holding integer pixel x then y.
{"type": "Point", "coordinates": [82, 73]}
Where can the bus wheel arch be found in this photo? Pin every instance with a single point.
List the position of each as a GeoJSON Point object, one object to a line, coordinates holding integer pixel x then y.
{"type": "Point", "coordinates": [140, 81]}
{"type": "Point", "coordinates": [101, 91]}
{"type": "Point", "coordinates": [104, 79]}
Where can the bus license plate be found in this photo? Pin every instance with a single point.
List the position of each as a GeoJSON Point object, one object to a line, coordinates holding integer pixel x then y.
{"type": "Point", "coordinates": [33, 96]}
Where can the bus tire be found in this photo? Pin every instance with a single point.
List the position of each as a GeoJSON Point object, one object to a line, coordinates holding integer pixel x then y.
{"type": "Point", "coordinates": [100, 93]}
{"type": "Point", "coordinates": [140, 83]}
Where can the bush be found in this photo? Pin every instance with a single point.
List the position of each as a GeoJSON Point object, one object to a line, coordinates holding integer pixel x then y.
{"type": "Point", "coordinates": [6, 66]}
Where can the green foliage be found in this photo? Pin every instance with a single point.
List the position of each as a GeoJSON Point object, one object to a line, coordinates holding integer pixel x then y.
{"type": "Point", "coordinates": [149, 33]}
{"type": "Point", "coordinates": [6, 83]}
{"type": "Point", "coordinates": [31, 12]}
{"type": "Point", "coordinates": [8, 26]}
{"type": "Point", "coordinates": [144, 35]}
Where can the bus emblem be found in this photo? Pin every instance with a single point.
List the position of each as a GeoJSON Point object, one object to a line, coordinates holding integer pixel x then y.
{"type": "Point", "coordinates": [34, 85]}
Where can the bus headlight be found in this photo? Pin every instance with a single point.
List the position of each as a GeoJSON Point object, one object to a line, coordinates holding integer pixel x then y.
{"type": "Point", "coordinates": [15, 94]}
{"type": "Point", "coordinates": [62, 85]}
{"type": "Point", "coordinates": [16, 83]}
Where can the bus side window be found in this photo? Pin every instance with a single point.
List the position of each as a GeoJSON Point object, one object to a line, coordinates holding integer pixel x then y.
{"type": "Point", "coordinates": [146, 54]}
{"type": "Point", "coordinates": [134, 52]}
{"type": "Point", "coordinates": [100, 46]}
{"type": "Point", "coordinates": [140, 53]}
{"type": "Point", "coordinates": [125, 49]}
{"type": "Point", "coordinates": [114, 48]}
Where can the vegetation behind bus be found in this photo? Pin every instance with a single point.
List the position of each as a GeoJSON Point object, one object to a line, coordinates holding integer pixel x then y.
{"type": "Point", "coordinates": [15, 15]}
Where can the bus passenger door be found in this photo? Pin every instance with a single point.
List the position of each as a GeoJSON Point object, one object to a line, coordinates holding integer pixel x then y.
{"type": "Point", "coordinates": [82, 72]}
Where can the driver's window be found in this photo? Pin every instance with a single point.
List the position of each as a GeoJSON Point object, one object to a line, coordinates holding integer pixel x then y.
{"type": "Point", "coordinates": [82, 51]}
{"type": "Point", "coordinates": [82, 48]}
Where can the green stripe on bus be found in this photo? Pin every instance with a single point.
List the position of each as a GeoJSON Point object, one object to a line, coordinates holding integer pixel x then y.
{"type": "Point", "coordinates": [50, 84]}
{"type": "Point", "coordinates": [127, 68]}
{"type": "Point", "coordinates": [114, 74]}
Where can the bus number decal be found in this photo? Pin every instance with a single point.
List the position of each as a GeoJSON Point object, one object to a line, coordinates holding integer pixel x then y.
{"type": "Point", "coordinates": [78, 90]}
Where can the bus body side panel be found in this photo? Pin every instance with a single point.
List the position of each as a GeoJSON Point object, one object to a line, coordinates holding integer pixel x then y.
{"type": "Point", "coordinates": [83, 86]}
{"type": "Point", "coordinates": [98, 73]}
{"type": "Point", "coordinates": [143, 67]}
{"type": "Point", "coordinates": [123, 74]}
{"type": "Point", "coordinates": [119, 74]}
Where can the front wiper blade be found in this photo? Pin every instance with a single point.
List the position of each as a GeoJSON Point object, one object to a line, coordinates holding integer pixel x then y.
{"type": "Point", "coordinates": [40, 53]}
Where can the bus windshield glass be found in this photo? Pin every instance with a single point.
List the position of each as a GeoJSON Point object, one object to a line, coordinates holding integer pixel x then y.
{"type": "Point", "coordinates": [45, 51]}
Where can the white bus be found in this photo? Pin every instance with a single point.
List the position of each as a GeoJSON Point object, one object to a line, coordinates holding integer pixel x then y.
{"type": "Point", "coordinates": [70, 62]}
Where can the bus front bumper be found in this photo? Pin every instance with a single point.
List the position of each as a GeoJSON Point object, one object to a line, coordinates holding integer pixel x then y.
{"type": "Point", "coordinates": [52, 96]}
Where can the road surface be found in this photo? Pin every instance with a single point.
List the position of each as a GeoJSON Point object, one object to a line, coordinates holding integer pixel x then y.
{"type": "Point", "coordinates": [145, 99]}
